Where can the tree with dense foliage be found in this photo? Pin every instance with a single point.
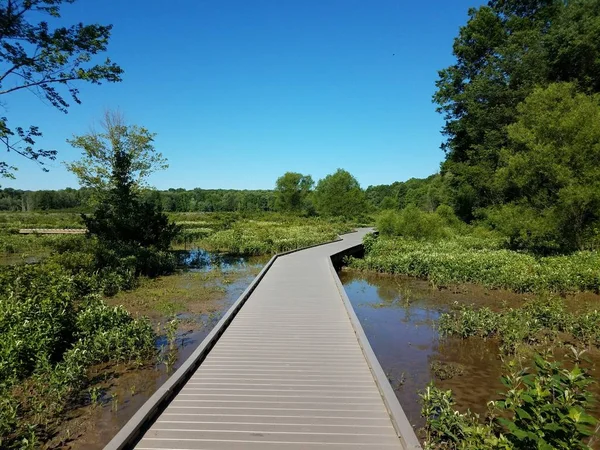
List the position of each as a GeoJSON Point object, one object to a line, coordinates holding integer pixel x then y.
{"type": "Point", "coordinates": [47, 62]}
{"type": "Point", "coordinates": [124, 223]}
{"type": "Point", "coordinates": [291, 192]}
{"type": "Point", "coordinates": [550, 171]}
{"type": "Point", "coordinates": [505, 51]}
{"type": "Point", "coordinates": [339, 194]}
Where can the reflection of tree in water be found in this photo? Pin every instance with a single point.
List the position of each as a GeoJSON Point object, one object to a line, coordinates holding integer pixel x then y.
{"type": "Point", "coordinates": [387, 293]}
{"type": "Point", "coordinates": [201, 259]}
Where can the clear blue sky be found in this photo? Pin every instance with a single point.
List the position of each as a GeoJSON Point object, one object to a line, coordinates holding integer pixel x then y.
{"type": "Point", "coordinates": [241, 91]}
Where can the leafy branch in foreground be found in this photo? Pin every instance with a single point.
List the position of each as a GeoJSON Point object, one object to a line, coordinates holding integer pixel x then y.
{"type": "Point", "coordinates": [47, 62]}
{"type": "Point", "coordinates": [542, 408]}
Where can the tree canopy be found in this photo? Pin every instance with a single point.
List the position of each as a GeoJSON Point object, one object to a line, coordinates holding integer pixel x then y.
{"type": "Point", "coordinates": [339, 194]}
{"type": "Point", "coordinates": [291, 191]}
{"type": "Point", "coordinates": [552, 166]}
{"type": "Point", "coordinates": [506, 50]}
{"type": "Point", "coordinates": [48, 62]}
{"type": "Point", "coordinates": [95, 169]}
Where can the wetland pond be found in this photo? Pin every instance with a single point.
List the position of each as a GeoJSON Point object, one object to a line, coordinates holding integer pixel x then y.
{"type": "Point", "coordinates": [399, 316]}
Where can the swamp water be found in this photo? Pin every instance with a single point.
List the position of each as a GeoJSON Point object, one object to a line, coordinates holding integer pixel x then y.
{"type": "Point", "coordinates": [399, 316]}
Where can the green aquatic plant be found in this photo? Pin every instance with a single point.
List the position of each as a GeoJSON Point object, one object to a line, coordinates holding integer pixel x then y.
{"type": "Point", "coordinates": [51, 336]}
{"type": "Point", "coordinates": [545, 407]}
{"type": "Point", "coordinates": [538, 321]}
{"type": "Point", "coordinates": [471, 259]}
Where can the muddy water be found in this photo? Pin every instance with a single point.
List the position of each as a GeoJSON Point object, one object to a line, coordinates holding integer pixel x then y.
{"type": "Point", "coordinates": [399, 314]}
{"type": "Point", "coordinates": [122, 390]}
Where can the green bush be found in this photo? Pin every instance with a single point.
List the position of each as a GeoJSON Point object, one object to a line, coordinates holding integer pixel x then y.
{"type": "Point", "coordinates": [545, 408]}
{"type": "Point", "coordinates": [412, 222]}
{"type": "Point", "coordinates": [51, 335]}
{"type": "Point", "coordinates": [526, 229]}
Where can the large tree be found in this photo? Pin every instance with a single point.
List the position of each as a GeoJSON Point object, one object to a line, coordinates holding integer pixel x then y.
{"type": "Point", "coordinates": [505, 50]}
{"type": "Point", "coordinates": [550, 172]}
{"type": "Point", "coordinates": [48, 61]}
{"type": "Point", "coordinates": [125, 223]}
{"type": "Point", "coordinates": [340, 194]}
{"type": "Point", "coordinates": [291, 191]}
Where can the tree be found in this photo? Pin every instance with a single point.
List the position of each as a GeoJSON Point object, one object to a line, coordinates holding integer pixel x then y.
{"type": "Point", "coordinates": [505, 51]}
{"type": "Point", "coordinates": [339, 194]}
{"type": "Point", "coordinates": [48, 62]}
{"type": "Point", "coordinates": [95, 169]}
{"type": "Point", "coordinates": [551, 168]}
{"type": "Point", "coordinates": [125, 223]}
{"type": "Point", "coordinates": [291, 191]}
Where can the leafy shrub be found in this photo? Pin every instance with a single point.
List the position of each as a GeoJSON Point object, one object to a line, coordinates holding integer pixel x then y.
{"type": "Point", "coordinates": [50, 337]}
{"type": "Point", "coordinates": [543, 408]}
{"type": "Point", "coordinates": [36, 318]}
{"type": "Point", "coordinates": [526, 229]}
{"type": "Point", "coordinates": [414, 223]}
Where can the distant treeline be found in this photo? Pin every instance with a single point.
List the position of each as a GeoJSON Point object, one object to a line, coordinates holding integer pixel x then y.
{"type": "Point", "coordinates": [180, 200]}
{"type": "Point", "coordinates": [426, 193]}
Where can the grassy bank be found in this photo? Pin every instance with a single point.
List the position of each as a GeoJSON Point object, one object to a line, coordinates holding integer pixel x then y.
{"type": "Point", "coordinates": [480, 260]}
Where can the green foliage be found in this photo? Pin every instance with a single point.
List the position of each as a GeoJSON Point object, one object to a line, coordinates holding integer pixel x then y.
{"type": "Point", "coordinates": [544, 408]}
{"type": "Point", "coordinates": [291, 192]}
{"type": "Point", "coordinates": [51, 335]}
{"type": "Point", "coordinates": [120, 147]}
{"type": "Point", "coordinates": [259, 238]}
{"type": "Point", "coordinates": [449, 429]}
{"type": "Point", "coordinates": [547, 407]}
{"type": "Point", "coordinates": [524, 228]}
{"type": "Point", "coordinates": [537, 320]}
{"type": "Point", "coordinates": [505, 51]}
{"type": "Point", "coordinates": [339, 194]}
{"type": "Point", "coordinates": [36, 318]}
{"type": "Point", "coordinates": [550, 170]}
{"type": "Point", "coordinates": [115, 166]}
{"type": "Point", "coordinates": [46, 60]}
{"type": "Point", "coordinates": [470, 259]}
{"type": "Point", "coordinates": [513, 327]}
{"type": "Point", "coordinates": [411, 222]}
{"type": "Point", "coordinates": [426, 194]}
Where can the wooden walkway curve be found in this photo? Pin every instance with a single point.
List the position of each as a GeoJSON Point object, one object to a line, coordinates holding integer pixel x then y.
{"type": "Point", "coordinates": [292, 371]}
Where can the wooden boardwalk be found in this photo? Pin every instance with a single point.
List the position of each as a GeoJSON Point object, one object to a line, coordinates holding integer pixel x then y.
{"type": "Point", "coordinates": [292, 371]}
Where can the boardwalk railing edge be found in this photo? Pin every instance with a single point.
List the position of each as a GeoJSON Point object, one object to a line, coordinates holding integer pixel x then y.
{"type": "Point", "coordinates": [131, 433]}
{"type": "Point", "coordinates": [403, 428]}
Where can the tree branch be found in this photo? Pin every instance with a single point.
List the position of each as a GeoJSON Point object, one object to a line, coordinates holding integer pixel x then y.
{"type": "Point", "coordinates": [39, 83]}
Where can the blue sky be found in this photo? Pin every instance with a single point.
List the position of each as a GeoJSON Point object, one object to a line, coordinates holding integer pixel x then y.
{"type": "Point", "coordinates": [241, 91]}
